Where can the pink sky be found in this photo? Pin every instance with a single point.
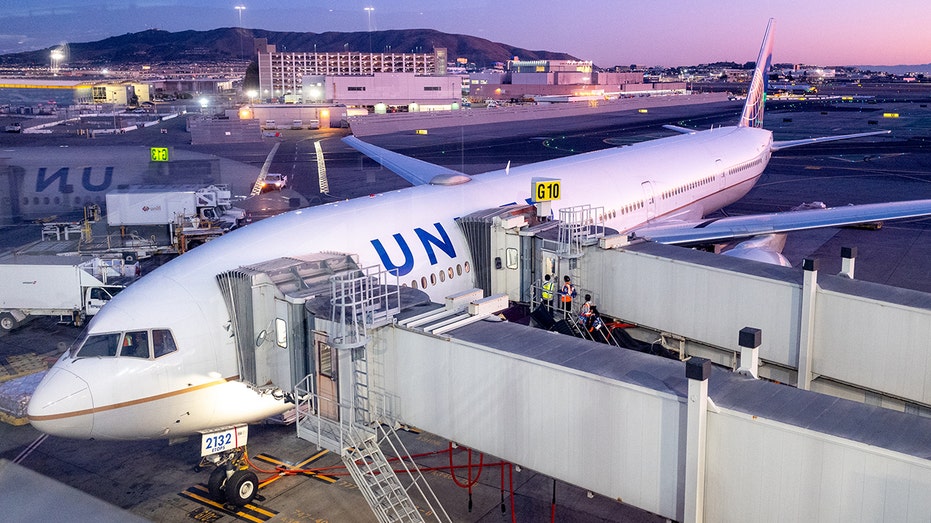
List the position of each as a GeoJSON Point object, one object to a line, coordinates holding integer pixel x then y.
{"type": "Point", "coordinates": [609, 32]}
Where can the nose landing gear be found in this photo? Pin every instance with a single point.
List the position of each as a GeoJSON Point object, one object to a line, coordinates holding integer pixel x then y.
{"type": "Point", "coordinates": [231, 481]}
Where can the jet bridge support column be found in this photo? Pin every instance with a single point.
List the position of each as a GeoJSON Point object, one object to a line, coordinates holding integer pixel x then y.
{"type": "Point", "coordinates": [749, 341]}
{"type": "Point", "coordinates": [697, 370]}
{"type": "Point", "coordinates": [848, 257]}
{"type": "Point", "coordinates": [806, 329]}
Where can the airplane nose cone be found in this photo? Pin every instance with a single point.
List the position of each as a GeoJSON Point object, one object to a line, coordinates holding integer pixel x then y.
{"type": "Point", "coordinates": [62, 405]}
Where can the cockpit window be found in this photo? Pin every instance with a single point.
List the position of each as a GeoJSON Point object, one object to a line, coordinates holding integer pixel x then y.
{"type": "Point", "coordinates": [162, 342]}
{"type": "Point", "coordinates": [100, 345]}
{"type": "Point", "coordinates": [135, 344]}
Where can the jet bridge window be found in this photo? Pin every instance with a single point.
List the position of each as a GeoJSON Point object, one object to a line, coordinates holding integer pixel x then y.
{"type": "Point", "coordinates": [100, 345]}
{"type": "Point", "coordinates": [281, 333]}
{"type": "Point", "coordinates": [512, 258]}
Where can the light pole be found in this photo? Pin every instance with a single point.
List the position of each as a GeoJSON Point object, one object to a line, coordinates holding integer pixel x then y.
{"type": "Point", "coordinates": [57, 57]}
{"type": "Point", "coordinates": [240, 8]}
{"type": "Point", "coordinates": [369, 11]}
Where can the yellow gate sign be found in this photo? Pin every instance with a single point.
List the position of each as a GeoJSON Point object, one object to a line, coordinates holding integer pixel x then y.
{"type": "Point", "coordinates": [159, 154]}
{"type": "Point", "coordinates": [545, 190]}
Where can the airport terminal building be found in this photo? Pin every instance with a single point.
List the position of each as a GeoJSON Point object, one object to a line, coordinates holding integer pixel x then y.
{"type": "Point", "coordinates": [29, 92]}
{"type": "Point", "coordinates": [357, 79]}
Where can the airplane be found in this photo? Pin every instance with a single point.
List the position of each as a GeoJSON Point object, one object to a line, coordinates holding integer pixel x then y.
{"type": "Point", "coordinates": [39, 182]}
{"type": "Point", "coordinates": [189, 381]}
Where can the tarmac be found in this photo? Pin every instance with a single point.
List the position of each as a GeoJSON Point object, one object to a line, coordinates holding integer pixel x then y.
{"type": "Point", "coordinates": [157, 481]}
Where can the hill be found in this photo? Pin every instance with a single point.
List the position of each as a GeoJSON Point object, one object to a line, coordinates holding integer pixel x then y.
{"type": "Point", "coordinates": [222, 45]}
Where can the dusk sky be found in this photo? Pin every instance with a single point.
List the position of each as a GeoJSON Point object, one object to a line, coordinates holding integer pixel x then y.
{"type": "Point", "coordinates": [608, 32]}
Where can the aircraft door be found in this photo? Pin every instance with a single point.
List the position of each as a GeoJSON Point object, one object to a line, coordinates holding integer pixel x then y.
{"type": "Point", "coordinates": [649, 200]}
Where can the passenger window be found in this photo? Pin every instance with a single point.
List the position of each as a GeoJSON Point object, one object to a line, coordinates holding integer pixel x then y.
{"type": "Point", "coordinates": [442, 276]}
{"type": "Point", "coordinates": [100, 345]}
{"type": "Point", "coordinates": [135, 344]}
{"type": "Point", "coordinates": [162, 342]}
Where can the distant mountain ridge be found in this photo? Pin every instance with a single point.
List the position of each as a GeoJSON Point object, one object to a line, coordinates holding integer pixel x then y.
{"type": "Point", "coordinates": [155, 46]}
{"type": "Point", "coordinates": [897, 69]}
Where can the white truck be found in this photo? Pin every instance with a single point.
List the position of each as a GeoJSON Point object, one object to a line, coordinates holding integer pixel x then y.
{"type": "Point", "coordinates": [189, 215]}
{"type": "Point", "coordinates": [58, 286]}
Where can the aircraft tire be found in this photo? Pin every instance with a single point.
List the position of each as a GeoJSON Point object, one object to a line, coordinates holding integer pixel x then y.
{"type": "Point", "coordinates": [242, 487]}
{"type": "Point", "coordinates": [8, 322]}
{"type": "Point", "coordinates": [215, 484]}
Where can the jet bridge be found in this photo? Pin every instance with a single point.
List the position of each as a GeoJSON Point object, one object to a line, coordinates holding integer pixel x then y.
{"type": "Point", "coordinates": [273, 331]}
{"type": "Point", "coordinates": [514, 246]}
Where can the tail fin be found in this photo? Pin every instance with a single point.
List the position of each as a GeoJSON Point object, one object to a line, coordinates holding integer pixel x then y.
{"type": "Point", "coordinates": [753, 109]}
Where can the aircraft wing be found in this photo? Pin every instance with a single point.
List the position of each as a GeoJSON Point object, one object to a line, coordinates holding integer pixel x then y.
{"type": "Point", "coordinates": [718, 229]}
{"type": "Point", "coordinates": [795, 143]}
{"type": "Point", "coordinates": [418, 172]}
{"type": "Point", "coordinates": [678, 129]}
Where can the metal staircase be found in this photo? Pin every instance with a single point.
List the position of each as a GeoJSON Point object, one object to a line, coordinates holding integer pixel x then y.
{"type": "Point", "coordinates": [360, 446]}
{"type": "Point", "coordinates": [574, 328]}
{"type": "Point", "coordinates": [382, 488]}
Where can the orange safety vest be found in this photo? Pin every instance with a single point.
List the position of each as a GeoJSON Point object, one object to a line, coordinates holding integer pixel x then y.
{"type": "Point", "coordinates": [567, 292]}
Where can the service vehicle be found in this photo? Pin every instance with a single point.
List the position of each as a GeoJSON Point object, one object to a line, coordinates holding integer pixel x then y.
{"type": "Point", "coordinates": [63, 286]}
{"type": "Point", "coordinates": [190, 215]}
{"type": "Point", "coordinates": [274, 181]}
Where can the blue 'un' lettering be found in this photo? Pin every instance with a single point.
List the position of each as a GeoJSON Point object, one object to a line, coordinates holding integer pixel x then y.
{"type": "Point", "coordinates": [426, 239]}
{"type": "Point", "coordinates": [107, 179]}
{"type": "Point", "coordinates": [390, 266]}
{"type": "Point", "coordinates": [43, 182]}
{"type": "Point", "coordinates": [443, 243]}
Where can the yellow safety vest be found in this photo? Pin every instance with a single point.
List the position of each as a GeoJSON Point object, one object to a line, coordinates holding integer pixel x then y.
{"type": "Point", "coordinates": [548, 290]}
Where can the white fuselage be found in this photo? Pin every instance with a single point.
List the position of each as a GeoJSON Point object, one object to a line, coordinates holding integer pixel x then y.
{"type": "Point", "coordinates": [413, 230]}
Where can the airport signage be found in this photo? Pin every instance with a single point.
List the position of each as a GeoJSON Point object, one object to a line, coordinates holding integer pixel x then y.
{"type": "Point", "coordinates": [545, 190]}
{"type": "Point", "coordinates": [159, 154]}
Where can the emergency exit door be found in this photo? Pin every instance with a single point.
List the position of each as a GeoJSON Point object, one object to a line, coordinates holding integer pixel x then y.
{"type": "Point", "coordinates": [649, 200]}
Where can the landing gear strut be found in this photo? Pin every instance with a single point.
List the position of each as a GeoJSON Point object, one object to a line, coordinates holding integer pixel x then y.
{"type": "Point", "coordinates": [231, 481]}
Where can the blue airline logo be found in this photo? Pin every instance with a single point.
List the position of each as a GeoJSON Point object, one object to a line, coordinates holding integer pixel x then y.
{"type": "Point", "coordinates": [427, 240]}
{"type": "Point", "coordinates": [44, 180]}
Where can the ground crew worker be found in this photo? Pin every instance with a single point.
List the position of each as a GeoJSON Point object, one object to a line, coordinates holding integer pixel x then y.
{"type": "Point", "coordinates": [566, 294]}
{"type": "Point", "coordinates": [549, 286]}
{"type": "Point", "coordinates": [586, 314]}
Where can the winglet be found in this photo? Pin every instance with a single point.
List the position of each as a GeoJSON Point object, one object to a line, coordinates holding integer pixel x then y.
{"type": "Point", "coordinates": [756, 97]}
